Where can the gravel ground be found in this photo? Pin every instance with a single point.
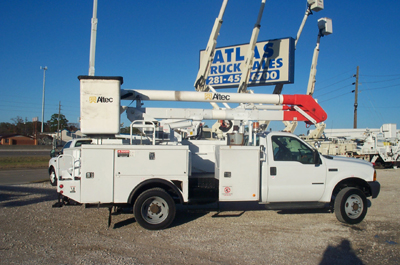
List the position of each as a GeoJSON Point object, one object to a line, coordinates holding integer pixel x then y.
{"type": "Point", "coordinates": [32, 232]}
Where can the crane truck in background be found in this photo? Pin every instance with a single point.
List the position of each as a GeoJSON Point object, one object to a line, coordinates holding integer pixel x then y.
{"type": "Point", "coordinates": [250, 169]}
{"type": "Point", "coordinates": [378, 146]}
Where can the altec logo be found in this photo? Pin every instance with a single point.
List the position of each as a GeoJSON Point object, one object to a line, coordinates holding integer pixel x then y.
{"type": "Point", "coordinates": [216, 96]}
{"type": "Point", "coordinates": [100, 100]}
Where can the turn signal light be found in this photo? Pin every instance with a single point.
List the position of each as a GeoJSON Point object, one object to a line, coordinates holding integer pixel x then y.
{"type": "Point", "coordinates": [374, 175]}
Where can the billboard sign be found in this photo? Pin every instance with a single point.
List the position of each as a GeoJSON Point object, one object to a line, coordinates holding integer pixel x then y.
{"type": "Point", "coordinates": [273, 63]}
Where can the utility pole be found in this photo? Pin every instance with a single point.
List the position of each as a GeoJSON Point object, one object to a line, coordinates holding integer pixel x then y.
{"type": "Point", "coordinates": [44, 82]}
{"type": "Point", "coordinates": [356, 100]}
{"type": "Point", "coordinates": [58, 123]}
{"type": "Point", "coordinates": [93, 40]}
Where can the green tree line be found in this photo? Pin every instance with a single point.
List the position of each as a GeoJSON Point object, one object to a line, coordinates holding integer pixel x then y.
{"type": "Point", "coordinates": [29, 128]}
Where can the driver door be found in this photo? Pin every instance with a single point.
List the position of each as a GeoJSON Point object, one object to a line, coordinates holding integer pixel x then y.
{"type": "Point", "coordinates": [293, 174]}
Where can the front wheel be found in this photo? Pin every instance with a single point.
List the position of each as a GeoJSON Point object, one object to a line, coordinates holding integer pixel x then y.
{"type": "Point", "coordinates": [53, 177]}
{"type": "Point", "coordinates": [350, 205]}
{"type": "Point", "coordinates": [154, 209]}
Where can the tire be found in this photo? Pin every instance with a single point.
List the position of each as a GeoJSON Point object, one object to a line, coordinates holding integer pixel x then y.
{"type": "Point", "coordinates": [154, 209]}
{"type": "Point", "coordinates": [350, 205]}
{"type": "Point", "coordinates": [53, 177]}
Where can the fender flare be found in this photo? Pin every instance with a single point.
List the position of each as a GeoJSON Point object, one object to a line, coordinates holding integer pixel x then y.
{"type": "Point", "coordinates": [153, 183]}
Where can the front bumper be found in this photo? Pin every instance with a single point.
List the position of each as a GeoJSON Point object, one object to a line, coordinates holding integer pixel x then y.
{"type": "Point", "coordinates": [375, 188]}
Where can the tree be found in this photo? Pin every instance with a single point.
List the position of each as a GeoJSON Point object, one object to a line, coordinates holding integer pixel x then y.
{"type": "Point", "coordinates": [6, 128]}
{"type": "Point", "coordinates": [127, 130]}
{"type": "Point", "coordinates": [53, 122]}
{"type": "Point", "coordinates": [18, 127]}
{"type": "Point", "coordinates": [72, 127]}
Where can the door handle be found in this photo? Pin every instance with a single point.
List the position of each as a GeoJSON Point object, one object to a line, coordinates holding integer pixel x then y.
{"type": "Point", "coordinates": [272, 171]}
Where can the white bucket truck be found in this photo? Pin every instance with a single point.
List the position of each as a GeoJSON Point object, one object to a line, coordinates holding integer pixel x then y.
{"type": "Point", "coordinates": [274, 170]}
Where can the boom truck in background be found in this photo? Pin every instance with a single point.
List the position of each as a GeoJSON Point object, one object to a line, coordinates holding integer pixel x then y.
{"type": "Point", "coordinates": [378, 146]}
{"type": "Point", "coordinates": [248, 170]}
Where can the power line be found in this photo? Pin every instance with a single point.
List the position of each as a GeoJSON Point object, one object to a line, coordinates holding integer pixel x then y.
{"type": "Point", "coordinates": [335, 97]}
{"type": "Point", "coordinates": [346, 72]}
{"type": "Point", "coordinates": [381, 81]}
{"type": "Point", "coordinates": [320, 88]}
{"type": "Point", "coordinates": [380, 75]}
{"type": "Point", "coordinates": [375, 88]}
{"type": "Point", "coordinates": [365, 107]}
{"type": "Point", "coordinates": [333, 90]}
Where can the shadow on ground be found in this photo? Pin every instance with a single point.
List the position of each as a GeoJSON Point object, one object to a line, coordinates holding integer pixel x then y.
{"type": "Point", "coordinates": [304, 211]}
{"type": "Point", "coordinates": [17, 196]}
{"type": "Point", "coordinates": [341, 254]}
{"type": "Point", "coordinates": [183, 216]}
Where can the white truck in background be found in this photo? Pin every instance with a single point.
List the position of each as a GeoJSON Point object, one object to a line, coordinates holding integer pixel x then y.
{"type": "Point", "coordinates": [378, 146]}
{"type": "Point", "coordinates": [275, 170]}
{"type": "Point", "coordinates": [71, 145]}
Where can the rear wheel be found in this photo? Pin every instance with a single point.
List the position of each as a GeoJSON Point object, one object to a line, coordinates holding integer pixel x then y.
{"type": "Point", "coordinates": [53, 177]}
{"type": "Point", "coordinates": [350, 205]}
{"type": "Point", "coordinates": [154, 209]}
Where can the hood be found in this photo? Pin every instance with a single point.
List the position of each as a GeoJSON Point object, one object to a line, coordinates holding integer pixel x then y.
{"type": "Point", "coordinates": [346, 160]}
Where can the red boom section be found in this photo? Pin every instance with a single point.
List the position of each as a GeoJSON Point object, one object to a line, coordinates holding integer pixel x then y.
{"type": "Point", "coordinates": [308, 104]}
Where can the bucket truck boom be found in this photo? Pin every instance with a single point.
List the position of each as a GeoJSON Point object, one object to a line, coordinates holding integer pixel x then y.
{"type": "Point", "coordinates": [206, 61]}
{"type": "Point", "coordinates": [248, 61]}
{"type": "Point", "coordinates": [293, 107]}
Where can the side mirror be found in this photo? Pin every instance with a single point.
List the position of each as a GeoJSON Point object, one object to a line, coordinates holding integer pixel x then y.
{"type": "Point", "coordinates": [52, 153]}
{"type": "Point", "coordinates": [317, 158]}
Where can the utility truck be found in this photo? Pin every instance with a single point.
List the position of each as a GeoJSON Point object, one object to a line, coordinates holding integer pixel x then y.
{"type": "Point", "coordinates": [378, 146]}
{"type": "Point", "coordinates": [252, 171]}
{"type": "Point", "coordinates": [247, 168]}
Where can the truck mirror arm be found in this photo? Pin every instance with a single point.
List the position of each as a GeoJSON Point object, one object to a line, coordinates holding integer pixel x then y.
{"type": "Point", "coordinates": [317, 158]}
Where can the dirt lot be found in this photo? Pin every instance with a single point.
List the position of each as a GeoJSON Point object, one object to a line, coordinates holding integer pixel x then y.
{"type": "Point", "coordinates": [32, 232]}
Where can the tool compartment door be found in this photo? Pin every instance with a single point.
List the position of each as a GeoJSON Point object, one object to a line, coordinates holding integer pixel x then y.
{"type": "Point", "coordinates": [135, 164]}
{"type": "Point", "coordinates": [238, 170]}
{"type": "Point", "coordinates": [97, 179]}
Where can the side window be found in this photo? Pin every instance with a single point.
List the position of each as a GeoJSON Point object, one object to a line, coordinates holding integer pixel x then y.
{"type": "Point", "coordinates": [286, 148]}
{"type": "Point", "coordinates": [67, 145]}
{"type": "Point", "coordinates": [79, 143]}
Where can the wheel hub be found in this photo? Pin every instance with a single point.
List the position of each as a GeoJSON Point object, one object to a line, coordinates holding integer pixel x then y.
{"type": "Point", "coordinates": [353, 206]}
{"type": "Point", "coordinates": [155, 209]}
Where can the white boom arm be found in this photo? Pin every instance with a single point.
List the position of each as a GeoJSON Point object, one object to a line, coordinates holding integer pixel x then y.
{"type": "Point", "coordinates": [237, 114]}
{"type": "Point", "coordinates": [248, 61]}
{"type": "Point", "coordinates": [294, 107]}
{"type": "Point", "coordinates": [312, 5]}
{"type": "Point", "coordinates": [206, 61]}
{"type": "Point", "coordinates": [325, 28]}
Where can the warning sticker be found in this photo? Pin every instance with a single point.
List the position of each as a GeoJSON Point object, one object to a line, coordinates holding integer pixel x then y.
{"type": "Point", "coordinates": [227, 191]}
{"type": "Point", "coordinates": [123, 153]}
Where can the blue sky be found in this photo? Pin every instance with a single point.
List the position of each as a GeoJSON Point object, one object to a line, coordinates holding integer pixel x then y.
{"type": "Point", "coordinates": [156, 44]}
